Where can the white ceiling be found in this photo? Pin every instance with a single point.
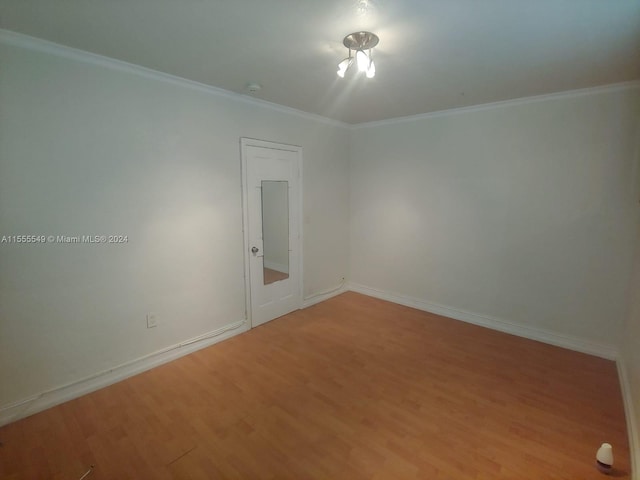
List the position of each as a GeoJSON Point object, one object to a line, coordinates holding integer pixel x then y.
{"type": "Point", "coordinates": [433, 54]}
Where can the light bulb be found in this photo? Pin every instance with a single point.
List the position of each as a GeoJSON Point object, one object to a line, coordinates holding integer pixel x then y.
{"type": "Point", "coordinates": [363, 61]}
{"type": "Point", "coordinates": [371, 71]}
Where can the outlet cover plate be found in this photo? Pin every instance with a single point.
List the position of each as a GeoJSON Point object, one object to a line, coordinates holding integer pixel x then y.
{"type": "Point", "coordinates": [152, 320]}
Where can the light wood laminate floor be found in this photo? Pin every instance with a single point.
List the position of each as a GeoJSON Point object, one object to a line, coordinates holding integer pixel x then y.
{"type": "Point", "coordinates": [352, 388]}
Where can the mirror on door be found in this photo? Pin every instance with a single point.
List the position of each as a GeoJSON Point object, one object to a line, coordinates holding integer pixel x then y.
{"type": "Point", "coordinates": [275, 230]}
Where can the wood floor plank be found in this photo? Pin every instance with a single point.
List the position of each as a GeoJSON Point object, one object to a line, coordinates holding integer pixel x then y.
{"type": "Point", "coordinates": [351, 388]}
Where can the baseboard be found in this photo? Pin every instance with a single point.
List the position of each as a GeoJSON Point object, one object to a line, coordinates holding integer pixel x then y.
{"type": "Point", "coordinates": [321, 297]}
{"type": "Point", "coordinates": [632, 419]}
{"type": "Point", "coordinates": [545, 336]}
{"type": "Point", "coordinates": [553, 338]}
{"type": "Point", "coordinates": [50, 398]}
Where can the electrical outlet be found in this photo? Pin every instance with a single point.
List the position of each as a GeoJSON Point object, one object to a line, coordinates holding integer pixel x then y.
{"type": "Point", "coordinates": [152, 320]}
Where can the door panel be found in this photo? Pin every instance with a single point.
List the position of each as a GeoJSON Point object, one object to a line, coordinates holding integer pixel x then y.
{"type": "Point", "coordinates": [272, 229]}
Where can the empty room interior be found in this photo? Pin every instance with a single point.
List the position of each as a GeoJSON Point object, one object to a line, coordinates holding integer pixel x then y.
{"type": "Point", "coordinates": [349, 239]}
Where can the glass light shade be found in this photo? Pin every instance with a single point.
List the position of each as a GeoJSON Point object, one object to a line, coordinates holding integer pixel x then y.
{"type": "Point", "coordinates": [371, 71]}
{"type": "Point", "coordinates": [363, 61]}
{"type": "Point", "coordinates": [343, 66]}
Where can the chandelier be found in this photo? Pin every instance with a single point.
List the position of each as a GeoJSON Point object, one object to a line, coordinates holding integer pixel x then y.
{"type": "Point", "coordinates": [362, 43]}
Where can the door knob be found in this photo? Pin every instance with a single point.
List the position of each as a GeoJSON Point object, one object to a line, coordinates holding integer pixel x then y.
{"type": "Point", "coordinates": [254, 249]}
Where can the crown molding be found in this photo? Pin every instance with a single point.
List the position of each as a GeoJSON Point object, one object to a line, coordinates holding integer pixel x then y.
{"type": "Point", "coordinates": [20, 40]}
{"type": "Point", "coordinates": [610, 88]}
{"type": "Point", "coordinates": [9, 37]}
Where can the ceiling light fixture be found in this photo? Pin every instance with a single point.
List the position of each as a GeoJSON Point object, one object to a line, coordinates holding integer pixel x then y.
{"type": "Point", "coordinates": [362, 43]}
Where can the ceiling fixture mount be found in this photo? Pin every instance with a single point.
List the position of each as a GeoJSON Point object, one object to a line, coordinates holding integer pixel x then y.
{"type": "Point", "coordinates": [362, 43]}
{"type": "Point", "coordinates": [253, 87]}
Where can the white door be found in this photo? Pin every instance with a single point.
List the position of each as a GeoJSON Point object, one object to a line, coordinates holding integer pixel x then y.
{"type": "Point", "coordinates": [271, 229]}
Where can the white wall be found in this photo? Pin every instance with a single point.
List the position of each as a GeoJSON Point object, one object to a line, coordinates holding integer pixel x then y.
{"type": "Point", "coordinates": [517, 213]}
{"type": "Point", "coordinates": [89, 146]}
{"type": "Point", "coordinates": [630, 345]}
{"type": "Point", "coordinates": [630, 356]}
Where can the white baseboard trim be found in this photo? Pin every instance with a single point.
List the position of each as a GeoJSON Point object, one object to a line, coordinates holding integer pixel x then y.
{"type": "Point", "coordinates": [322, 296]}
{"type": "Point", "coordinates": [605, 351]}
{"type": "Point", "coordinates": [50, 398]}
{"type": "Point", "coordinates": [632, 419]}
{"type": "Point", "coordinates": [545, 336]}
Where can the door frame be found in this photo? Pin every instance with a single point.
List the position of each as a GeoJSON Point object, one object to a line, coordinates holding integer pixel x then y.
{"type": "Point", "coordinates": [252, 142]}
